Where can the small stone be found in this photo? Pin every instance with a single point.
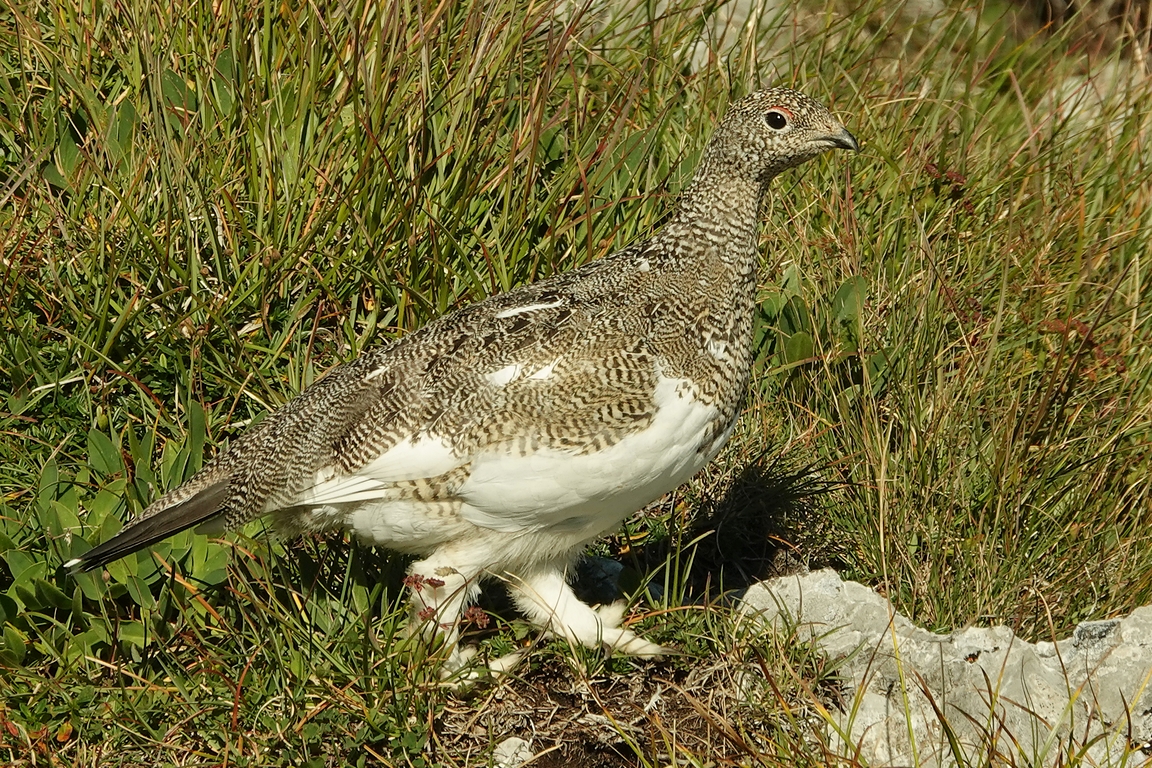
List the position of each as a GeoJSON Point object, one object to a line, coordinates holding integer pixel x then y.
{"type": "Point", "coordinates": [512, 752]}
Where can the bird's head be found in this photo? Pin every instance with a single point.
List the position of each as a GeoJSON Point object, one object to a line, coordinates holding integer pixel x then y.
{"type": "Point", "coordinates": [772, 130]}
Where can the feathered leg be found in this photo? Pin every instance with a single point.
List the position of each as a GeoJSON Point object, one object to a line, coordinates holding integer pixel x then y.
{"type": "Point", "coordinates": [546, 599]}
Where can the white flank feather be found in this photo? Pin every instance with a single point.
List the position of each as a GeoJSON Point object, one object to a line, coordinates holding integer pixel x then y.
{"type": "Point", "coordinates": [414, 458]}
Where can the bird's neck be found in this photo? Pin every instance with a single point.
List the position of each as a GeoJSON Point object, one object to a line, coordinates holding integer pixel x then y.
{"type": "Point", "coordinates": [722, 216]}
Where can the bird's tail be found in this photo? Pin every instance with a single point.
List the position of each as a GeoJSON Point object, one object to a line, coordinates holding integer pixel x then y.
{"type": "Point", "coordinates": [201, 507]}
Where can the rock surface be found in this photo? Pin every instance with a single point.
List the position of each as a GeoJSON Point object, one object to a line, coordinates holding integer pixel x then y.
{"type": "Point", "coordinates": [511, 753]}
{"type": "Point", "coordinates": [1006, 701]}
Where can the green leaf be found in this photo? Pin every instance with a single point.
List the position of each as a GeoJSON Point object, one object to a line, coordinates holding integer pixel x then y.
{"type": "Point", "coordinates": [131, 634]}
{"type": "Point", "coordinates": [771, 304]}
{"type": "Point", "coordinates": [795, 316]}
{"type": "Point", "coordinates": [123, 569]}
{"type": "Point", "coordinates": [67, 154]}
{"type": "Point", "coordinates": [798, 347]}
{"type": "Point", "coordinates": [102, 453]}
{"type": "Point", "coordinates": [173, 464]}
{"type": "Point", "coordinates": [214, 568]}
{"type": "Point", "coordinates": [49, 484]}
{"type": "Point", "coordinates": [15, 645]}
{"type": "Point", "coordinates": [224, 76]}
{"type": "Point", "coordinates": [848, 303]}
{"type": "Point", "coordinates": [49, 120]}
{"type": "Point", "coordinates": [78, 605]}
{"type": "Point", "coordinates": [360, 598]}
{"type": "Point", "coordinates": [122, 133]}
{"type": "Point", "coordinates": [179, 100]}
{"type": "Point", "coordinates": [92, 583]}
{"type": "Point", "coordinates": [8, 608]}
{"type": "Point", "coordinates": [141, 449]}
{"type": "Point", "coordinates": [49, 594]}
{"type": "Point", "coordinates": [19, 563]}
{"type": "Point", "coordinates": [879, 366]}
{"type": "Point", "coordinates": [109, 526]}
{"type": "Point", "coordinates": [60, 519]}
{"type": "Point", "coordinates": [26, 595]}
{"type": "Point", "coordinates": [197, 431]}
{"type": "Point", "coordinates": [52, 175]}
{"type": "Point", "coordinates": [106, 503]}
{"type": "Point", "coordinates": [791, 285]}
{"type": "Point", "coordinates": [139, 592]}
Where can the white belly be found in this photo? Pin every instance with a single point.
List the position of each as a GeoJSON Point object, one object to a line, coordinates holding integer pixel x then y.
{"type": "Point", "coordinates": [587, 494]}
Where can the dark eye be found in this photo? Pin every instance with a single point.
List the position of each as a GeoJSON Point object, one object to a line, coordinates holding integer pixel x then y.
{"type": "Point", "coordinates": [776, 120]}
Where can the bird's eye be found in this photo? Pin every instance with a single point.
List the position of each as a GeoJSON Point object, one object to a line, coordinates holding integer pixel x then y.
{"type": "Point", "coordinates": [776, 120]}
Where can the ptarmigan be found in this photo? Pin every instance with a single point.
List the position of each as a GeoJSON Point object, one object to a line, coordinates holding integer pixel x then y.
{"type": "Point", "coordinates": [500, 439]}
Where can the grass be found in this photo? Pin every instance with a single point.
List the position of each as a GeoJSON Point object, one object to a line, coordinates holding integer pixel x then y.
{"type": "Point", "coordinates": [208, 205]}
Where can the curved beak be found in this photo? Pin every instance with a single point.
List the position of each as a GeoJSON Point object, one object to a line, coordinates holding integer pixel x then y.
{"type": "Point", "coordinates": [843, 140]}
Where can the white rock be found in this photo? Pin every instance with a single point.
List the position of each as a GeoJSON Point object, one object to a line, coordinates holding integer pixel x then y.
{"type": "Point", "coordinates": [1005, 700]}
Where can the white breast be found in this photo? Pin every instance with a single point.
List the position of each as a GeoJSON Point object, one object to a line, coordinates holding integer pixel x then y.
{"type": "Point", "coordinates": [590, 493]}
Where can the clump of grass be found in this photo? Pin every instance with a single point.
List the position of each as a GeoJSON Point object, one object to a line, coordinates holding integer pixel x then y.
{"type": "Point", "coordinates": [973, 362]}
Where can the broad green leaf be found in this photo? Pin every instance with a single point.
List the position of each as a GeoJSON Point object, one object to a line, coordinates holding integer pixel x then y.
{"type": "Point", "coordinates": [197, 432]}
{"type": "Point", "coordinates": [19, 563]}
{"type": "Point", "coordinates": [798, 347]}
{"type": "Point", "coordinates": [102, 453]}
{"type": "Point", "coordinates": [214, 568]}
{"type": "Point", "coordinates": [15, 644]}
{"type": "Point", "coordinates": [78, 605]}
{"type": "Point", "coordinates": [8, 608]}
{"type": "Point", "coordinates": [131, 634]}
{"type": "Point", "coordinates": [49, 594]}
{"type": "Point", "coordinates": [67, 154]}
{"type": "Point", "coordinates": [122, 133]}
{"type": "Point", "coordinates": [60, 519]}
{"type": "Point", "coordinates": [49, 484]}
{"type": "Point", "coordinates": [848, 303]}
{"type": "Point", "coordinates": [92, 583]}
{"type": "Point", "coordinates": [224, 75]}
{"type": "Point", "coordinates": [179, 99]}
{"type": "Point", "coordinates": [139, 592]}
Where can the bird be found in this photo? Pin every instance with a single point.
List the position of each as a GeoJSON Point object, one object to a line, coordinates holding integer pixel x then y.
{"type": "Point", "coordinates": [499, 440]}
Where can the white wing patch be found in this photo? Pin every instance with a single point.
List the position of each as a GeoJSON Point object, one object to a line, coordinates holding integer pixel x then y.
{"type": "Point", "coordinates": [527, 308]}
{"type": "Point", "coordinates": [510, 373]}
{"type": "Point", "coordinates": [546, 371]}
{"type": "Point", "coordinates": [418, 456]}
{"type": "Point", "coordinates": [341, 490]}
{"type": "Point", "coordinates": [504, 375]}
{"type": "Point", "coordinates": [412, 459]}
{"type": "Point", "coordinates": [405, 525]}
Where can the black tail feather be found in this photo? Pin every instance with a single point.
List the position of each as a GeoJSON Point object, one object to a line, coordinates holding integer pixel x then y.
{"type": "Point", "coordinates": [168, 522]}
